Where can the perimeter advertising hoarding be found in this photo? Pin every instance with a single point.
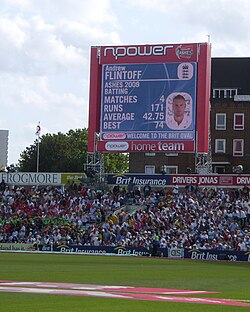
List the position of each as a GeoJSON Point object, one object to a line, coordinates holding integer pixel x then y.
{"type": "Point", "coordinates": [194, 254]}
{"type": "Point", "coordinates": [163, 180]}
{"type": "Point", "coordinates": [131, 93]}
{"type": "Point", "coordinates": [41, 178]}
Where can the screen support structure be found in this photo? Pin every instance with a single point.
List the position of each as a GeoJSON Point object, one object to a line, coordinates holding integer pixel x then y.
{"type": "Point", "coordinates": [203, 161]}
{"type": "Point", "coordinates": [95, 164]}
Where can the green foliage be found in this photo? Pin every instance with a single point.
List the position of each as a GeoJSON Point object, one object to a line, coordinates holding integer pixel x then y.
{"type": "Point", "coordinates": [57, 153]}
{"type": "Point", "coordinates": [115, 163]}
{"type": "Point", "coordinates": [66, 153]}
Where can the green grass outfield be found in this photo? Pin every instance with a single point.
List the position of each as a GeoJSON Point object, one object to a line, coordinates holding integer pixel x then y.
{"type": "Point", "coordinates": [231, 281]}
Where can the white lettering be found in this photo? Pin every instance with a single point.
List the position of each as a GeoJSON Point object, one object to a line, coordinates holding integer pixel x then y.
{"type": "Point", "coordinates": [208, 180]}
{"type": "Point", "coordinates": [123, 181]}
{"type": "Point", "coordinates": [123, 99]}
{"type": "Point", "coordinates": [243, 180]}
{"type": "Point", "coordinates": [163, 146]}
{"type": "Point", "coordinates": [184, 180]}
{"type": "Point", "coordinates": [30, 178]}
{"type": "Point", "coordinates": [119, 116]}
{"type": "Point", "coordinates": [132, 51]}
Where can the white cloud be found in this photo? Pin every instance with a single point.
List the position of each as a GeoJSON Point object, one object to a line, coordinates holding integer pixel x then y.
{"type": "Point", "coordinates": [226, 21]}
{"type": "Point", "coordinates": [44, 64]}
{"type": "Point", "coordinates": [12, 34]}
{"type": "Point", "coordinates": [27, 100]}
{"type": "Point", "coordinates": [95, 12]}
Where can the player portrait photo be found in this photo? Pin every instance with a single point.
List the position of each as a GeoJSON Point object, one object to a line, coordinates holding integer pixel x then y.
{"type": "Point", "coordinates": [179, 111]}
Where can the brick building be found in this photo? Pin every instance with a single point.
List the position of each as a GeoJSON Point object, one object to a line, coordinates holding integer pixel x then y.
{"type": "Point", "coordinates": [229, 126]}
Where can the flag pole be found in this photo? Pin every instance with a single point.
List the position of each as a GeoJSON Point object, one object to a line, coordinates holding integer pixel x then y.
{"type": "Point", "coordinates": [37, 159]}
{"type": "Point", "coordinates": [38, 131]}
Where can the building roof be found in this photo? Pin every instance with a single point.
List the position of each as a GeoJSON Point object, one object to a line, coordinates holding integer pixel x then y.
{"type": "Point", "coordinates": [231, 72]}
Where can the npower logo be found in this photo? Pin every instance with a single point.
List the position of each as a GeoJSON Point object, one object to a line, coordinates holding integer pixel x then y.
{"type": "Point", "coordinates": [132, 51]}
{"type": "Point", "coordinates": [114, 136]}
{"type": "Point", "coordinates": [116, 146]}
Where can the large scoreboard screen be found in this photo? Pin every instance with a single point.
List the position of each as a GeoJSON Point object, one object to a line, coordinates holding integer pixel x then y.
{"type": "Point", "coordinates": [141, 102]}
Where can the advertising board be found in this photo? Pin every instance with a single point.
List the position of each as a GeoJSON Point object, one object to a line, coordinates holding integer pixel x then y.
{"type": "Point", "coordinates": [173, 253]}
{"type": "Point", "coordinates": [40, 178]}
{"type": "Point", "coordinates": [163, 180]}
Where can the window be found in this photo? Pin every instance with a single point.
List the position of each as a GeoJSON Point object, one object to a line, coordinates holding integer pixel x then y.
{"type": "Point", "coordinates": [219, 169]}
{"type": "Point", "coordinates": [216, 93]}
{"type": "Point", "coordinates": [238, 147]}
{"type": "Point", "coordinates": [224, 93]}
{"type": "Point", "coordinates": [149, 169]}
{"type": "Point", "coordinates": [171, 169]}
{"type": "Point", "coordinates": [220, 123]}
{"type": "Point", "coordinates": [233, 93]}
{"type": "Point", "coordinates": [238, 121]}
{"type": "Point", "coordinates": [220, 146]}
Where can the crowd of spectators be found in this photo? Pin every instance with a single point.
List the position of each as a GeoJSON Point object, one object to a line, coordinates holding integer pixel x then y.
{"type": "Point", "coordinates": [202, 218]}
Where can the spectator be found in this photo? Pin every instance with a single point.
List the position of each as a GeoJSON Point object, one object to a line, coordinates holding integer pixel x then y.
{"type": "Point", "coordinates": [205, 219]}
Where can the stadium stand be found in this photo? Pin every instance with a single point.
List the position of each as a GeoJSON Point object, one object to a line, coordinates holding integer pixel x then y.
{"type": "Point", "coordinates": [202, 218]}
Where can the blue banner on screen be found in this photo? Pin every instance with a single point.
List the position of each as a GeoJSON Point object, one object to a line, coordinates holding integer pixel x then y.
{"type": "Point", "coordinates": [149, 102]}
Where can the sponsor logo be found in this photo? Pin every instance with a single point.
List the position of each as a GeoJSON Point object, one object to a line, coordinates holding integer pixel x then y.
{"type": "Point", "coordinates": [131, 252]}
{"type": "Point", "coordinates": [63, 246]}
{"type": "Point", "coordinates": [226, 180]}
{"type": "Point", "coordinates": [176, 253]}
{"type": "Point", "coordinates": [46, 248]}
{"type": "Point", "coordinates": [75, 249]}
{"type": "Point", "coordinates": [17, 247]}
{"type": "Point", "coordinates": [184, 52]}
{"type": "Point", "coordinates": [114, 136]}
{"type": "Point", "coordinates": [118, 175]}
{"type": "Point", "coordinates": [120, 247]}
{"type": "Point", "coordinates": [116, 146]}
{"type": "Point", "coordinates": [30, 178]}
{"type": "Point", "coordinates": [198, 255]}
{"type": "Point", "coordinates": [121, 250]}
{"type": "Point", "coordinates": [132, 51]}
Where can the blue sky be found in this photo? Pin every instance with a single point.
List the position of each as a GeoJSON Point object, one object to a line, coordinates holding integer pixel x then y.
{"type": "Point", "coordinates": [45, 48]}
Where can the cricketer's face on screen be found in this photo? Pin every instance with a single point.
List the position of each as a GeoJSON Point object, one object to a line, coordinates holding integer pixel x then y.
{"type": "Point", "coordinates": [179, 106]}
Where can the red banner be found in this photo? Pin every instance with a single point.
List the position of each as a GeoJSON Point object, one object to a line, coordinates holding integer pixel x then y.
{"type": "Point", "coordinates": [210, 180]}
{"type": "Point", "coordinates": [146, 146]}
